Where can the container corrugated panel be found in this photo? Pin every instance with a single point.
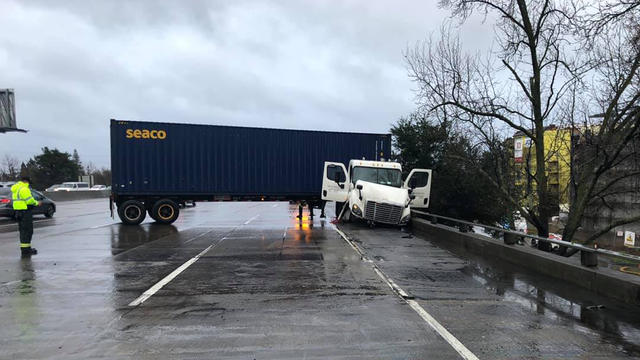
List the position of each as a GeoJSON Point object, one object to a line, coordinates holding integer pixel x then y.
{"type": "Point", "coordinates": [187, 159]}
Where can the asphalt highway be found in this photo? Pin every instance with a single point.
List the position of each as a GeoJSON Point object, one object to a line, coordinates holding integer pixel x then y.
{"type": "Point", "coordinates": [250, 281]}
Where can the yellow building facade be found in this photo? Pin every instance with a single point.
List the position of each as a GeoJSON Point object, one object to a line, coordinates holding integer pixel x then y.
{"type": "Point", "coordinates": [557, 150]}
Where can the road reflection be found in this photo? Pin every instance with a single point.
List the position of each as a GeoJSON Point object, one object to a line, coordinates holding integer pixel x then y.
{"type": "Point", "coordinates": [616, 323]}
{"type": "Point", "coordinates": [125, 237]}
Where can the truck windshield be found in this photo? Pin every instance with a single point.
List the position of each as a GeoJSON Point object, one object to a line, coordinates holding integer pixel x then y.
{"type": "Point", "coordinates": [389, 177]}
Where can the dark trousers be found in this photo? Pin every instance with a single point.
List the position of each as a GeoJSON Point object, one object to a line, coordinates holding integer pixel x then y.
{"type": "Point", "coordinates": [25, 225]}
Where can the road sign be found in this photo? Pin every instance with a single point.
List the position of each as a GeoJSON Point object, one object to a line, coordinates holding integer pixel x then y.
{"type": "Point", "coordinates": [517, 150]}
{"type": "Point", "coordinates": [8, 111]}
{"type": "Point", "coordinates": [629, 239]}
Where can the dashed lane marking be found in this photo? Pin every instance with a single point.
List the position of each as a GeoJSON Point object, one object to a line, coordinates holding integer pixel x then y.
{"type": "Point", "coordinates": [34, 221]}
{"type": "Point", "coordinates": [250, 220]}
{"type": "Point", "coordinates": [435, 325]}
{"type": "Point", "coordinates": [167, 279]}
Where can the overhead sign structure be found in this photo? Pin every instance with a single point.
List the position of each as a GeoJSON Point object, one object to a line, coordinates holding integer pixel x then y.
{"type": "Point", "coordinates": [517, 150]}
{"type": "Point", "coordinates": [8, 111]}
{"type": "Point", "coordinates": [629, 239]}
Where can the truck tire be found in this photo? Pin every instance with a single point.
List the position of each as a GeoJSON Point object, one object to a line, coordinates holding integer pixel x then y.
{"type": "Point", "coordinates": [165, 211]}
{"type": "Point", "coordinates": [151, 214]}
{"type": "Point", "coordinates": [339, 206]}
{"type": "Point", "coordinates": [131, 212]}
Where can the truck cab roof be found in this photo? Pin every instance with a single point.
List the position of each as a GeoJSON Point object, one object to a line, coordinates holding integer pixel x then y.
{"type": "Point", "coordinates": [372, 163]}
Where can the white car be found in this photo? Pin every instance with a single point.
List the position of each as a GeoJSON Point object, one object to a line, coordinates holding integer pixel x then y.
{"type": "Point", "coordinates": [99, 187]}
{"type": "Point", "coordinates": [73, 186]}
{"type": "Point", "coordinates": [6, 184]}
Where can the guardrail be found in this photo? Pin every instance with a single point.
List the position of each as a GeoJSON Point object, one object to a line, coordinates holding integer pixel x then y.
{"type": "Point", "coordinates": [588, 255]}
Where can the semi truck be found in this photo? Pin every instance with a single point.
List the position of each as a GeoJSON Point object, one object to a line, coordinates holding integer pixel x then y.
{"type": "Point", "coordinates": [157, 166]}
{"type": "Point", "coordinates": [374, 191]}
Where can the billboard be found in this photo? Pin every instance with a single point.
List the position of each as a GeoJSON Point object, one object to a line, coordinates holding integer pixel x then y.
{"type": "Point", "coordinates": [8, 111]}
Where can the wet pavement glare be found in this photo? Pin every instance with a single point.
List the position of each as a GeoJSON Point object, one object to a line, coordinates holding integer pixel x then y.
{"type": "Point", "coordinates": [274, 287]}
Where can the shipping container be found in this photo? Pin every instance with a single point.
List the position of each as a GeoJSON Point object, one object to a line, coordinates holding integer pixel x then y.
{"type": "Point", "coordinates": [156, 165]}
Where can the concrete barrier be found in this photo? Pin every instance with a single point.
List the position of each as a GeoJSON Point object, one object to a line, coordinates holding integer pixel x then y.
{"type": "Point", "coordinates": [603, 281]}
{"type": "Point", "coordinates": [77, 195]}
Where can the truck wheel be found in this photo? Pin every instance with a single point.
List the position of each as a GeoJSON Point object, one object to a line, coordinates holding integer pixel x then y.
{"type": "Point", "coordinates": [346, 217]}
{"type": "Point", "coordinates": [152, 214]}
{"type": "Point", "coordinates": [131, 212]}
{"type": "Point", "coordinates": [339, 206]}
{"type": "Point", "coordinates": [166, 211]}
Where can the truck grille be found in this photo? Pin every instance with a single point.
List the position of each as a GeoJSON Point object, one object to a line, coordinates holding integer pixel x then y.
{"type": "Point", "coordinates": [383, 213]}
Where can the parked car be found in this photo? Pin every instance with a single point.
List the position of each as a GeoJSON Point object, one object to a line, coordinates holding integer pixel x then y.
{"type": "Point", "coordinates": [99, 187]}
{"type": "Point", "coordinates": [47, 206]}
{"type": "Point", "coordinates": [73, 186]}
{"type": "Point", "coordinates": [53, 187]}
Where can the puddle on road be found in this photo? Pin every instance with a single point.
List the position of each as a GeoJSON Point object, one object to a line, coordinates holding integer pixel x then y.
{"type": "Point", "coordinates": [616, 323]}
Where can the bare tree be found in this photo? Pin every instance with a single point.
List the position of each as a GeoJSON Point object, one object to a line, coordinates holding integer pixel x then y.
{"type": "Point", "coordinates": [611, 130]}
{"type": "Point", "coordinates": [516, 87]}
{"type": "Point", "coordinates": [90, 168]}
{"type": "Point", "coordinates": [10, 168]}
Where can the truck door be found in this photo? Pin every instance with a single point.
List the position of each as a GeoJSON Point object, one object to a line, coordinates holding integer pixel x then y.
{"type": "Point", "coordinates": [334, 181]}
{"type": "Point", "coordinates": [419, 180]}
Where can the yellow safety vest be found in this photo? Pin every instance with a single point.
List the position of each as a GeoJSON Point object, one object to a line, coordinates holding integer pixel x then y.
{"type": "Point", "coordinates": [21, 196]}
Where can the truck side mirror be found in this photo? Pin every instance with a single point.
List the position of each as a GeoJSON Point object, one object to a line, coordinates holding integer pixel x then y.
{"type": "Point", "coordinates": [359, 186]}
{"type": "Point", "coordinates": [412, 196]}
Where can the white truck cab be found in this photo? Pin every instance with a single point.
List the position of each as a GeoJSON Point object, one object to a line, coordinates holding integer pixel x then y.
{"type": "Point", "coordinates": [374, 190]}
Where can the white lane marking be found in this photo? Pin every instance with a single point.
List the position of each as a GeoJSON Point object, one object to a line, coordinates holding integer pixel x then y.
{"type": "Point", "coordinates": [435, 325]}
{"type": "Point", "coordinates": [250, 220]}
{"type": "Point", "coordinates": [104, 225]}
{"type": "Point", "coordinates": [160, 284]}
{"type": "Point", "coordinates": [452, 340]}
{"type": "Point", "coordinates": [34, 221]}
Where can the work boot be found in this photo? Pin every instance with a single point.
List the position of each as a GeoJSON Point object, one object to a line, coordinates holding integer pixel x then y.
{"type": "Point", "coordinates": [27, 252]}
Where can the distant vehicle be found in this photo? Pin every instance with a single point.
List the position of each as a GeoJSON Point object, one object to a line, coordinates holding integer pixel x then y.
{"type": "Point", "coordinates": [53, 187]}
{"type": "Point", "coordinates": [73, 186]}
{"type": "Point", "coordinates": [6, 184]}
{"type": "Point", "coordinates": [99, 187]}
{"type": "Point", "coordinates": [374, 191]}
{"type": "Point", "coordinates": [46, 208]}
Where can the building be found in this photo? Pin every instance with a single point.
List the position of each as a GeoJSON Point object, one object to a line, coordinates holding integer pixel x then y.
{"type": "Point", "coordinates": [557, 150]}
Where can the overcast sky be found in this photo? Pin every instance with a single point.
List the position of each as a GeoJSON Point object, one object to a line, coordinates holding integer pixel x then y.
{"type": "Point", "coordinates": [322, 65]}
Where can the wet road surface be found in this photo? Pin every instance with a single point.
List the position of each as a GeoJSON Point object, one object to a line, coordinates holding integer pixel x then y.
{"type": "Point", "coordinates": [265, 286]}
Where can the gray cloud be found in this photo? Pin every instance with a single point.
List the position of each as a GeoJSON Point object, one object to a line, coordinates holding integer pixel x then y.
{"type": "Point", "coordinates": [328, 65]}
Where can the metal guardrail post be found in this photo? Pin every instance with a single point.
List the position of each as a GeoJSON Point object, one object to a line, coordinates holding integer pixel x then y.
{"type": "Point", "coordinates": [510, 238]}
{"type": "Point", "coordinates": [588, 258]}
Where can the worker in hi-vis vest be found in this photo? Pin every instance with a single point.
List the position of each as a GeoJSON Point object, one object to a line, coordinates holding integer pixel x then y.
{"type": "Point", "coordinates": [23, 201]}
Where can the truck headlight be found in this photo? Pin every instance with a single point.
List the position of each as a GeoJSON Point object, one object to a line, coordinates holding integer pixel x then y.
{"type": "Point", "coordinates": [355, 209]}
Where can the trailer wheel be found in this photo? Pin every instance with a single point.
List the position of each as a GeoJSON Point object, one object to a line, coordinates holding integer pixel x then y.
{"type": "Point", "coordinates": [152, 214]}
{"type": "Point", "coordinates": [166, 211]}
{"type": "Point", "coordinates": [131, 212]}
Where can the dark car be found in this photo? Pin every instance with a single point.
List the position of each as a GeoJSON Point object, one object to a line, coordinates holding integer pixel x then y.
{"type": "Point", "coordinates": [47, 206]}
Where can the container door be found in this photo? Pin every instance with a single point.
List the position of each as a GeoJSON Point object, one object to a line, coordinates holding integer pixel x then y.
{"type": "Point", "coordinates": [334, 180]}
{"type": "Point", "coordinates": [419, 180]}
